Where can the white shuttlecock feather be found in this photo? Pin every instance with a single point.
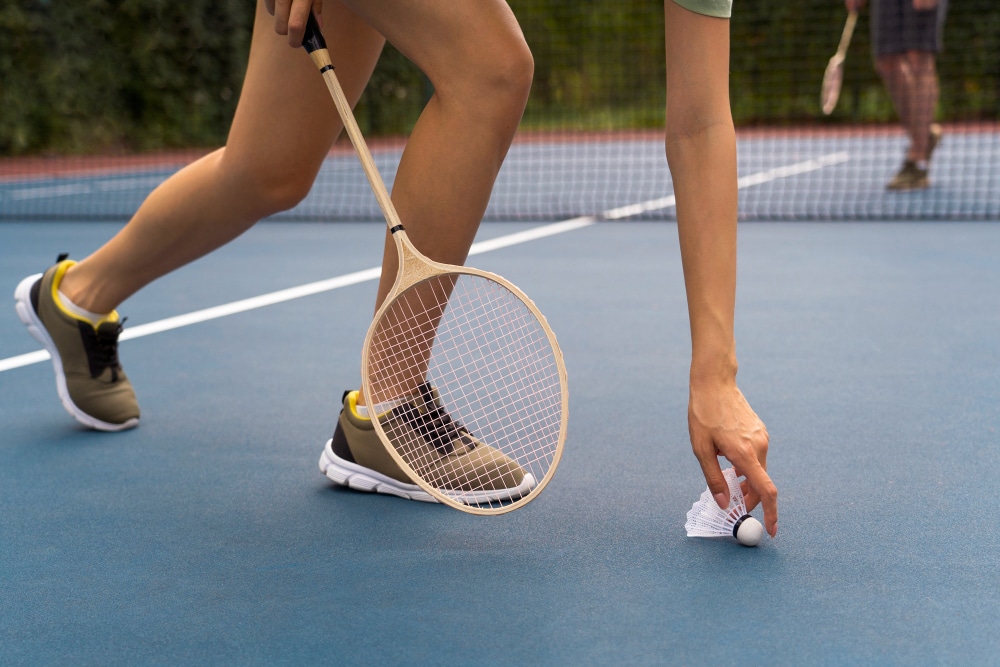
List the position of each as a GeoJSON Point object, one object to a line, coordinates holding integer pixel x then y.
{"type": "Point", "coordinates": [707, 519]}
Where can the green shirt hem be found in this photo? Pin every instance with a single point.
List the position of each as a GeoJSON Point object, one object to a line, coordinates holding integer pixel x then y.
{"type": "Point", "coordinates": [722, 9]}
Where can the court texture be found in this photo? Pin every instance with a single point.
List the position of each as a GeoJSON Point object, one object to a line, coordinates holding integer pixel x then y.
{"type": "Point", "coordinates": [869, 346]}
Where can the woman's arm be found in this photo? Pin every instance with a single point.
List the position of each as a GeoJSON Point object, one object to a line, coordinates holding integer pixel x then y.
{"type": "Point", "coordinates": [701, 152]}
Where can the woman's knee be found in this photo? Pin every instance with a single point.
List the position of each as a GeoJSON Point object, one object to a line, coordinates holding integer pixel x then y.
{"type": "Point", "coordinates": [267, 186]}
{"type": "Point", "coordinates": [516, 69]}
{"type": "Point", "coordinates": [512, 74]}
{"type": "Point", "coordinates": [890, 67]}
{"type": "Point", "coordinates": [920, 62]}
{"type": "Point", "coordinates": [498, 84]}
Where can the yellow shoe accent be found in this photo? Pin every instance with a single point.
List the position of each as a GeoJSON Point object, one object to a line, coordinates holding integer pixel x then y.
{"type": "Point", "coordinates": [352, 401]}
{"type": "Point", "coordinates": [57, 298]}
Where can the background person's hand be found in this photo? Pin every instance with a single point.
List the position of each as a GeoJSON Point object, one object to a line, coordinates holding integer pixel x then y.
{"type": "Point", "coordinates": [925, 5]}
{"type": "Point", "coordinates": [856, 5]}
{"type": "Point", "coordinates": [722, 423]}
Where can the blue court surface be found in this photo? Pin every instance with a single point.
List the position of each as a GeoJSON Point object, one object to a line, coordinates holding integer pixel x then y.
{"type": "Point", "coordinates": [208, 535]}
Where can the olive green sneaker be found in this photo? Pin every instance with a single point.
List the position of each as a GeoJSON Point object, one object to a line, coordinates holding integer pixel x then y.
{"type": "Point", "coordinates": [910, 177]}
{"type": "Point", "coordinates": [465, 468]}
{"type": "Point", "coordinates": [89, 378]}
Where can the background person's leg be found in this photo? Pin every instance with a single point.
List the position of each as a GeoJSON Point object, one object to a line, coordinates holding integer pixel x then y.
{"type": "Point", "coordinates": [924, 92]}
{"type": "Point", "coordinates": [894, 69]}
{"type": "Point", "coordinates": [905, 42]}
{"type": "Point", "coordinates": [912, 83]}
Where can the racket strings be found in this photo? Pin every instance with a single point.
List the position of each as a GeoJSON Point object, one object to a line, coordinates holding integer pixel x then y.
{"type": "Point", "coordinates": [469, 352]}
{"type": "Point", "coordinates": [435, 425]}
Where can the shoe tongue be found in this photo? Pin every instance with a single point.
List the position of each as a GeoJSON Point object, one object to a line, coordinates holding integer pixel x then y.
{"type": "Point", "coordinates": [109, 330]}
{"type": "Point", "coordinates": [428, 403]}
{"type": "Point", "coordinates": [102, 353]}
{"type": "Point", "coordinates": [426, 399]}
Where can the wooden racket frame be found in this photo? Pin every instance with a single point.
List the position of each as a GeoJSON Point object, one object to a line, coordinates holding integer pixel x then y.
{"type": "Point", "coordinates": [414, 267]}
{"type": "Point", "coordinates": [837, 62]}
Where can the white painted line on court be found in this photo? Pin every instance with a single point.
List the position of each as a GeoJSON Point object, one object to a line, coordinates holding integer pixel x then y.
{"type": "Point", "coordinates": [365, 275]}
{"type": "Point", "coordinates": [742, 183]}
{"type": "Point", "coordinates": [532, 234]}
{"type": "Point", "coordinates": [23, 360]}
{"type": "Point", "coordinates": [291, 293]}
{"type": "Point", "coordinates": [252, 303]}
{"type": "Point", "coordinates": [641, 207]}
{"type": "Point", "coordinates": [84, 188]}
{"type": "Point", "coordinates": [793, 169]}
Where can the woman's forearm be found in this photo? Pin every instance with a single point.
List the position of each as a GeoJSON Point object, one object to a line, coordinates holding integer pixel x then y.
{"type": "Point", "coordinates": [701, 151]}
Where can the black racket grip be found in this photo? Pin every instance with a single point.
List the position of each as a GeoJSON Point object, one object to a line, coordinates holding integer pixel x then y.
{"type": "Point", "coordinates": [313, 40]}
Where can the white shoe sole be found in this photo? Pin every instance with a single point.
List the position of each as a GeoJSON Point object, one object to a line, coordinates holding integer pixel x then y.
{"type": "Point", "coordinates": [359, 478]}
{"type": "Point", "coordinates": [346, 473]}
{"type": "Point", "coordinates": [27, 314]}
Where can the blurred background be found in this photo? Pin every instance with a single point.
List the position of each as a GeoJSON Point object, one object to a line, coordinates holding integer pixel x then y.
{"type": "Point", "coordinates": [88, 81]}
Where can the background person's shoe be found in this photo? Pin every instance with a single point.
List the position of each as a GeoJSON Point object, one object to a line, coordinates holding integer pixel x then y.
{"type": "Point", "coordinates": [910, 177]}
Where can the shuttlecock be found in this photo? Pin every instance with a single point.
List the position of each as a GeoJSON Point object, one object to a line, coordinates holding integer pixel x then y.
{"type": "Point", "coordinates": [707, 519]}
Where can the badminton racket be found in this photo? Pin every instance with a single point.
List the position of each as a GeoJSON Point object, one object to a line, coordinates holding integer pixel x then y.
{"type": "Point", "coordinates": [461, 373]}
{"type": "Point", "coordinates": [833, 77]}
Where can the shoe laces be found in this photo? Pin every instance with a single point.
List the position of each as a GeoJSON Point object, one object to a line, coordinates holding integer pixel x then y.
{"type": "Point", "coordinates": [435, 425]}
{"type": "Point", "coordinates": [101, 345]}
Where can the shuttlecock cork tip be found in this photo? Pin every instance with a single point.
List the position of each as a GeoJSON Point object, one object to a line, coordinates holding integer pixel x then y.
{"type": "Point", "coordinates": [748, 531]}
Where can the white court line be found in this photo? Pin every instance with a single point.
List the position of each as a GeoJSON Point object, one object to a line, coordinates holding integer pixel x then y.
{"type": "Point", "coordinates": [86, 188]}
{"type": "Point", "coordinates": [508, 240]}
{"type": "Point", "coordinates": [532, 234]}
{"type": "Point", "coordinates": [753, 179]}
{"type": "Point", "coordinates": [23, 360]}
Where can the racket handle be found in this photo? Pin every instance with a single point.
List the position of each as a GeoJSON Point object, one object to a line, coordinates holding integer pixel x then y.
{"type": "Point", "coordinates": [313, 38]}
{"type": "Point", "coordinates": [315, 45]}
{"type": "Point", "coordinates": [845, 36]}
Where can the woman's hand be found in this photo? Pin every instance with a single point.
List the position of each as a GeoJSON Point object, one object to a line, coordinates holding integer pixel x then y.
{"type": "Point", "coordinates": [290, 17]}
{"type": "Point", "coordinates": [721, 422]}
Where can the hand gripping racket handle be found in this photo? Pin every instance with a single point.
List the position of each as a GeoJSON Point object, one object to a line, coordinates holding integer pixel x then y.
{"type": "Point", "coordinates": [315, 45]}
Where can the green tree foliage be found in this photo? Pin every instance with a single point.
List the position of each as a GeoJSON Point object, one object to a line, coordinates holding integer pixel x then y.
{"type": "Point", "coordinates": [98, 75]}
{"type": "Point", "coordinates": [110, 75]}
{"type": "Point", "coordinates": [598, 63]}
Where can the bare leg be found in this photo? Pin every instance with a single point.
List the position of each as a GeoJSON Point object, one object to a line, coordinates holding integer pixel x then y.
{"type": "Point", "coordinates": [284, 126]}
{"type": "Point", "coordinates": [895, 73]}
{"type": "Point", "coordinates": [476, 58]}
{"type": "Point", "coordinates": [912, 82]}
{"type": "Point", "coordinates": [923, 101]}
{"type": "Point", "coordinates": [473, 53]}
